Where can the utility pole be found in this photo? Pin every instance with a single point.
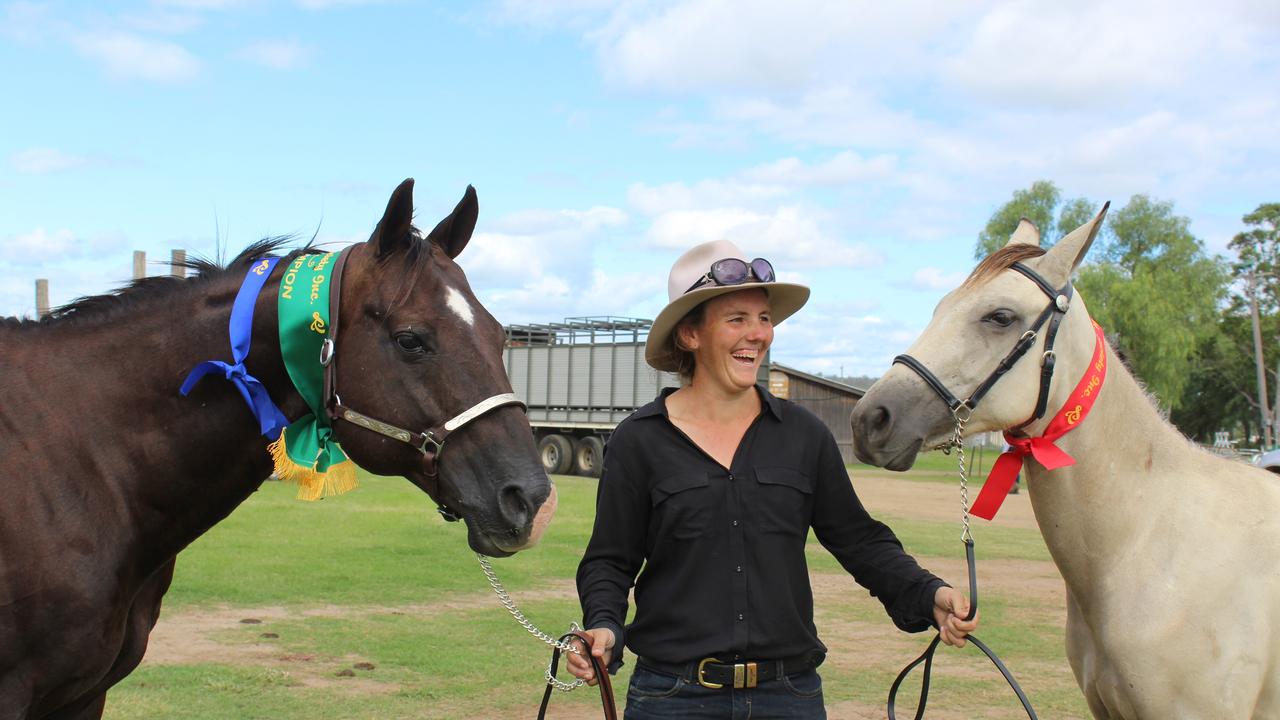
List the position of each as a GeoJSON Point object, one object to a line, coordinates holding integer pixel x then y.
{"type": "Point", "coordinates": [1263, 406]}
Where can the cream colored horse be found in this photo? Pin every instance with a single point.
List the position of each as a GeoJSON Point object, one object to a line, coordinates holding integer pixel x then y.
{"type": "Point", "coordinates": [1171, 555]}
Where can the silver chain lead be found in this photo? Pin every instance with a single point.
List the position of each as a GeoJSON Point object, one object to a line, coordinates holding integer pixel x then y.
{"type": "Point", "coordinates": [962, 414]}
{"type": "Point", "coordinates": [510, 605]}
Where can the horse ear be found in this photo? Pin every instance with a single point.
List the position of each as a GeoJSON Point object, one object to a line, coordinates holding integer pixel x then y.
{"type": "Point", "coordinates": [1026, 234]}
{"type": "Point", "coordinates": [1063, 258]}
{"type": "Point", "coordinates": [393, 230]}
{"type": "Point", "coordinates": [453, 232]}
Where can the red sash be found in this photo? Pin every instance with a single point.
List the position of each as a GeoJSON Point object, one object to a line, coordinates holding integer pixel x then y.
{"type": "Point", "coordinates": [1006, 469]}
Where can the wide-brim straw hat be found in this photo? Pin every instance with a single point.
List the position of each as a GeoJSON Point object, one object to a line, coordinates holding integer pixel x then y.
{"type": "Point", "coordinates": [784, 298]}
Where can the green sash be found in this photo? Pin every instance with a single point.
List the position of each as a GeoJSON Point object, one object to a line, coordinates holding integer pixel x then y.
{"type": "Point", "coordinates": [306, 452]}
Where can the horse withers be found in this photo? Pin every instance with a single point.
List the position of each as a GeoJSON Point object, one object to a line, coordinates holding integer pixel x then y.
{"type": "Point", "coordinates": [109, 472]}
{"type": "Point", "coordinates": [1169, 553]}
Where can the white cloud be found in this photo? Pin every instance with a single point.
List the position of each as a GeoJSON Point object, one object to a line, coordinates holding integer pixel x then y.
{"type": "Point", "coordinates": [39, 245]}
{"type": "Point", "coordinates": [201, 4]}
{"type": "Point", "coordinates": [539, 264]}
{"type": "Point", "coordinates": [840, 339]}
{"type": "Point", "coordinates": [43, 247]}
{"type": "Point", "coordinates": [330, 4]}
{"type": "Point", "coordinates": [657, 199]}
{"type": "Point", "coordinates": [759, 45]}
{"type": "Point", "coordinates": [789, 236]}
{"type": "Point", "coordinates": [1086, 54]}
{"type": "Point", "coordinates": [841, 169]}
{"type": "Point", "coordinates": [132, 56]}
{"type": "Point", "coordinates": [39, 161]}
{"type": "Point", "coordinates": [276, 54]}
{"type": "Point", "coordinates": [933, 279]}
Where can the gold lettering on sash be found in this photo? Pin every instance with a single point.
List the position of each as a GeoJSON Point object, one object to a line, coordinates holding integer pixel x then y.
{"type": "Point", "coordinates": [1073, 415]}
{"type": "Point", "coordinates": [316, 282]}
{"type": "Point", "coordinates": [1094, 382]}
{"type": "Point", "coordinates": [317, 323]}
{"type": "Point", "coordinates": [261, 268]}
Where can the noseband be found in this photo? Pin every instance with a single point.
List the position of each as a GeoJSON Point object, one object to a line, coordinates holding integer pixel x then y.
{"type": "Point", "coordinates": [429, 442]}
{"type": "Point", "coordinates": [1059, 303]}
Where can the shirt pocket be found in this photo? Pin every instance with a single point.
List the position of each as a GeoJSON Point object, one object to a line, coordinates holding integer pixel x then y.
{"type": "Point", "coordinates": [682, 505]}
{"type": "Point", "coordinates": [785, 503]}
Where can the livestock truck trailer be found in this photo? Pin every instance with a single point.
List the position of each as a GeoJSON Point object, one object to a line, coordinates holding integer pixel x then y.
{"type": "Point", "coordinates": [580, 378]}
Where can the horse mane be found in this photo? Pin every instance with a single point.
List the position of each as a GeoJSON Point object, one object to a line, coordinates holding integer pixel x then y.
{"type": "Point", "coordinates": [148, 289]}
{"type": "Point", "coordinates": [1001, 260]}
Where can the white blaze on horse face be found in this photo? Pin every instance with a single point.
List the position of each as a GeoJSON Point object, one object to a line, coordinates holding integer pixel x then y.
{"type": "Point", "coordinates": [457, 302]}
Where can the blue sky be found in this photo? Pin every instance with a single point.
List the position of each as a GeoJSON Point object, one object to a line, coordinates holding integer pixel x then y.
{"type": "Point", "coordinates": [860, 146]}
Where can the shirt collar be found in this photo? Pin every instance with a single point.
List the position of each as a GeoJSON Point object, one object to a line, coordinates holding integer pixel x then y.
{"type": "Point", "coordinates": [658, 407]}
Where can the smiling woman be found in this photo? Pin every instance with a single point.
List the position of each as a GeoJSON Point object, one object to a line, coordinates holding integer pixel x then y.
{"type": "Point", "coordinates": [706, 502]}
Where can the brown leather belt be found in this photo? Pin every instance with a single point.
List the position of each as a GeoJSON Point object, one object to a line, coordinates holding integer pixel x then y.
{"type": "Point", "coordinates": [712, 673]}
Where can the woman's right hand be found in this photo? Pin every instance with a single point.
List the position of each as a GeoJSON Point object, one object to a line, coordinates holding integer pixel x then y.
{"type": "Point", "coordinates": [601, 646]}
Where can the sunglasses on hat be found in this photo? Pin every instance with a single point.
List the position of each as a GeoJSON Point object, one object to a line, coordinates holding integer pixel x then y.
{"type": "Point", "coordinates": [733, 271]}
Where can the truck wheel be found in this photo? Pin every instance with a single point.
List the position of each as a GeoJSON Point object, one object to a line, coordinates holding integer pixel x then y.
{"type": "Point", "coordinates": [556, 453]}
{"type": "Point", "coordinates": [588, 456]}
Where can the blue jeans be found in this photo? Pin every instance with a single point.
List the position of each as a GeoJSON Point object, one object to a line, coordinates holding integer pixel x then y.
{"type": "Point", "coordinates": [654, 695]}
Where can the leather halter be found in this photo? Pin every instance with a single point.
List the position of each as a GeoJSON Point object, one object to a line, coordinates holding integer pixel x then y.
{"type": "Point", "coordinates": [1059, 303]}
{"type": "Point", "coordinates": [429, 442]}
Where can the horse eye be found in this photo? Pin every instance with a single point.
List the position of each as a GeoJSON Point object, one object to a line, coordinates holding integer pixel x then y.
{"type": "Point", "coordinates": [409, 342]}
{"type": "Point", "coordinates": [1001, 318]}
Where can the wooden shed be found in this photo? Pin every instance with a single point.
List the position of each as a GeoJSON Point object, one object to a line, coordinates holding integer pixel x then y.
{"type": "Point", "coordinates": [830, 400]}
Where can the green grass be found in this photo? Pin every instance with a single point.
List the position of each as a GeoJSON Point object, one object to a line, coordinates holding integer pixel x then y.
{"type": "Point", "coordinates": [938, 467]}
{"type": "Point", "coordinates": [377, 577]}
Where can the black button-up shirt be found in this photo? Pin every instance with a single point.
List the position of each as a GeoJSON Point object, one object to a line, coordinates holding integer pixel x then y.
{"type": "Point", "coordinates": [720, 553]}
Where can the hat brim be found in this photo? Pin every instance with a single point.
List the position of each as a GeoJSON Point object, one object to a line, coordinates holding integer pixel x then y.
{"type": "Point", "coordinates": [784, 300]}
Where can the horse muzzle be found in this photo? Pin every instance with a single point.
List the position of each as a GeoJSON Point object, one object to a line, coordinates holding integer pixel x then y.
{"type": "Point", "coordinates": [504, 543]}
{"type": "Point", "coordinates": [891, 425]}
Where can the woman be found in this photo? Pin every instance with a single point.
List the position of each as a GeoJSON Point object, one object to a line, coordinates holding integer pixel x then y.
{"type": "Point", "coordinates": [708, 494]}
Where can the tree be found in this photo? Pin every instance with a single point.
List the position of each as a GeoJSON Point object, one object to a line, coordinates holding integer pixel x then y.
{"type": "Point", "coordinates": [1147, 281]}
{"type": "Point", "coordinates": [1152, 284]}
{"type": "Point", "coordinates": [1221, 393]}
{"type": "Point", "coordinates": [1036, 204]}
{"type": "Point", "coordinates": [1256, 274]}
{"type": "Point", "coordinates": [1258, 252]}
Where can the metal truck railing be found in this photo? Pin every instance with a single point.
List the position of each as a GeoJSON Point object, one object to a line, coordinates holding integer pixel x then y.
{"type": "Point", "coordinates": [580, 378]}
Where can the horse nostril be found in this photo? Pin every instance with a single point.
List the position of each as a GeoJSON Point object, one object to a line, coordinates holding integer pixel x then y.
{"type": "Point", "coordinates": [516, 509]}
{"type": "Point", "coordinates": [881, 419]}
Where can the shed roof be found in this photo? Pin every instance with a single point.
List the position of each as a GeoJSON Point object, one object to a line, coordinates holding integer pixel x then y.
{"type": "Point", "coordinates": [836, 385]}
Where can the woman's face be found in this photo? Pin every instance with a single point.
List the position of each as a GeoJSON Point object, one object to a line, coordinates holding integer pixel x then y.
{"type": "Point", "coordinates": [729, 344]}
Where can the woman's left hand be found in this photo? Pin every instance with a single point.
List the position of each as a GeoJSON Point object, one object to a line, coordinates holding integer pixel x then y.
{"type": "Point", "coordinates": [950, 607]}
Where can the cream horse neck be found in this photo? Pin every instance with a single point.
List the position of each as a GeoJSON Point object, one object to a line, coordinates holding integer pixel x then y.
{"type": "Point", "coordinates": [1168, 554]}
{"type": "Point", "coordinates": [1122, 450]}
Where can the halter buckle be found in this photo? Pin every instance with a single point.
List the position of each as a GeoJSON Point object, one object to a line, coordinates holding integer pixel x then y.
{"type": "Point", "coordinates": [326, 352]}
{"type": "Point", "coordinates": [1047, 358]}
{"type": "Point", "coordinates": [429, 438]}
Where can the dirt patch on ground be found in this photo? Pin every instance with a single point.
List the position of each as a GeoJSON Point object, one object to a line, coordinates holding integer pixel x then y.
{"type": "Point", "coordinates": [190, 637]}
{"type": "Point", "coordinates": [890, 494]}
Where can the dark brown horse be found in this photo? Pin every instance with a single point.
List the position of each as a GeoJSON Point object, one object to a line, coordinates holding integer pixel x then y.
{"type": "Point", "coordinates": [106, 472]}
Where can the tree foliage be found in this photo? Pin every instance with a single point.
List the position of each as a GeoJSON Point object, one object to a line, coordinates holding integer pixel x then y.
{"type": "Point", "coordinates": [1258, 254]}
{"type": "Point", "coordinates": [1036, 203]}
{"type": "Point", "coordinates": [1147, 280]}
{"type": "Point", "coordinates": [1153, 284]}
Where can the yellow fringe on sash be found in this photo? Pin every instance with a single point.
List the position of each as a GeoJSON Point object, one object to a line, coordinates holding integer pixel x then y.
{"type": "Point", "coordinates": [312, 485]}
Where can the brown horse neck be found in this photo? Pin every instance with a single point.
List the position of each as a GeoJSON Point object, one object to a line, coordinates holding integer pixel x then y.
{"type": "Point", "coordinates": [152, 469]}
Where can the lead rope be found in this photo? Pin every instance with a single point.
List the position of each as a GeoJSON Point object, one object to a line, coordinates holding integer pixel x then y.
{"type": "Point", "coordinates": [961, 414]}
{"type": "Point", "coordinates": [527, 624]}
